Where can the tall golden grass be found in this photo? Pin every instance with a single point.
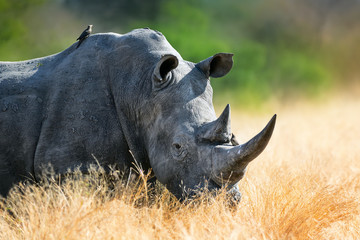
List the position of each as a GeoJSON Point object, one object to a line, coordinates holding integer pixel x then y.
{"type": "Point", "coordinates": [305, 185]}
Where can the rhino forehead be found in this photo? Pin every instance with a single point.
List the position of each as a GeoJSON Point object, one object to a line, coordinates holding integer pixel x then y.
{"type": "Point", "coordinates": [201, 110]}
{"type": "Point", "coordinates": [181, 109]}
{"type": "Point", "coordinates": [193, 102]}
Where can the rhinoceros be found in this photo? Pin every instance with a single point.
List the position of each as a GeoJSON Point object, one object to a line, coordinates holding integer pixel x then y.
{"type": "Point", "coordinates": [120, 99]}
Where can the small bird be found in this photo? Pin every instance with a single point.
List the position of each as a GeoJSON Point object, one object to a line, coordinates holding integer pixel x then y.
{"type": "Point", "coordinates": [86, 33]}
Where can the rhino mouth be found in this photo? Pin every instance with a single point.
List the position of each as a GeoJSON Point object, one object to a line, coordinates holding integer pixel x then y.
{"type": "Point", "coordinates": [209, 188]}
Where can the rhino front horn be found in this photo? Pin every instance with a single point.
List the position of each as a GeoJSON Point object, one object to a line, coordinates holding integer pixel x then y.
{"type": "Point", "coordinates": [229, 162]}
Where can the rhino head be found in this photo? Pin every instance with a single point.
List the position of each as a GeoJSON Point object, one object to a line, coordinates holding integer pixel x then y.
{"type": "Point", "coordinates": [189, 148]}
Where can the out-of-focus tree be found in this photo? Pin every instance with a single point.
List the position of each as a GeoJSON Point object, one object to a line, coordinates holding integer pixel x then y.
{"type": "Point", "coordinates": [118, 13]}
{"type": "Point", "coordinates": [12, 28]}
{"type": "Point", "coordinates": [282, 47]}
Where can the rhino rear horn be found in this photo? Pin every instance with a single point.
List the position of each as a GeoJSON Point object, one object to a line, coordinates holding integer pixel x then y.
{"type": "Point", "coordinates": [219, 130]}
{"type": "Point", "coordinates": [216, 66]}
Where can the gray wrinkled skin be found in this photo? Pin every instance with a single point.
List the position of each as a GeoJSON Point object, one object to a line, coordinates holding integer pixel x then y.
{"type": "Point", "coordinates": [114, 94]}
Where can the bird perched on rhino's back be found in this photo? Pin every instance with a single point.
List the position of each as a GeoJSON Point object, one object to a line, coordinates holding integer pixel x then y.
{"type": "Point", "coordinates": [86, 33]}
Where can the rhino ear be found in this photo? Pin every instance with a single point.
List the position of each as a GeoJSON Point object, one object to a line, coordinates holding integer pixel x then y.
{"type": "Point", "coordinates": [216, 66]}
{"type": "Point", "coordinates": [163, 68]}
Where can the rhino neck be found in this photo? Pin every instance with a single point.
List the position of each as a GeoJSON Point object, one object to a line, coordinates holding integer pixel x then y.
{"type": "Point", "coordinates": [134, 140]}
{"type": "Point", "coordinates": [130, 89]}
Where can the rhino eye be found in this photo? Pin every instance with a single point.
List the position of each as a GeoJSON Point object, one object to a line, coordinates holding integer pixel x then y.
{"type": "Point", "coordinates": [177, 146]}
{"type": "Point", "coordinates": [178, 151]}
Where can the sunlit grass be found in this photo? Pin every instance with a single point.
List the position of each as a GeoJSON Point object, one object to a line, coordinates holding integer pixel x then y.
{"type": "Point", "coordinates": [305, 185]}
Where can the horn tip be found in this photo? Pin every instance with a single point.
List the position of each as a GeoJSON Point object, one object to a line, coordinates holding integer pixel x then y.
{"type": "Point", "coordinates": [271, 124]}
{"type": "Point", "coordinates": [274, 117]}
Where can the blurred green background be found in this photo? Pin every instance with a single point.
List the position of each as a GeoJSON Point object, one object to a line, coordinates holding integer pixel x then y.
{"type": "Point", "coordinates": [284, 49]}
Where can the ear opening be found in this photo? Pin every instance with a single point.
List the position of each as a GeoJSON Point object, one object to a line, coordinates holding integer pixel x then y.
{"type": "Point", "coordinates": [216, 66]}
{"type": "Point", "coordinates": [164, 66]}
{"type": "Point", "coordinates": [169, 64]}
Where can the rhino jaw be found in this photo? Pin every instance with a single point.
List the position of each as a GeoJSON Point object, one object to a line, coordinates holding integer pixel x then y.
{"type": "Point", "coordinates": [229, 162]}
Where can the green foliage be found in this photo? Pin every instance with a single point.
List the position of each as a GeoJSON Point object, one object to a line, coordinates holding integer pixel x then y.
{"type": "Point", "coordinates": [265, 64]}
{"type": "Point", "coordinates": [282, 48]}
{"type": "Point", "coordinates": [13, 31]}
{"type": "Point", "coordinates": [302, 72]}
{"type": "Point", "coordinates": [260, 73]}
{"type": "Point", "coordinates": [188, 29]}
